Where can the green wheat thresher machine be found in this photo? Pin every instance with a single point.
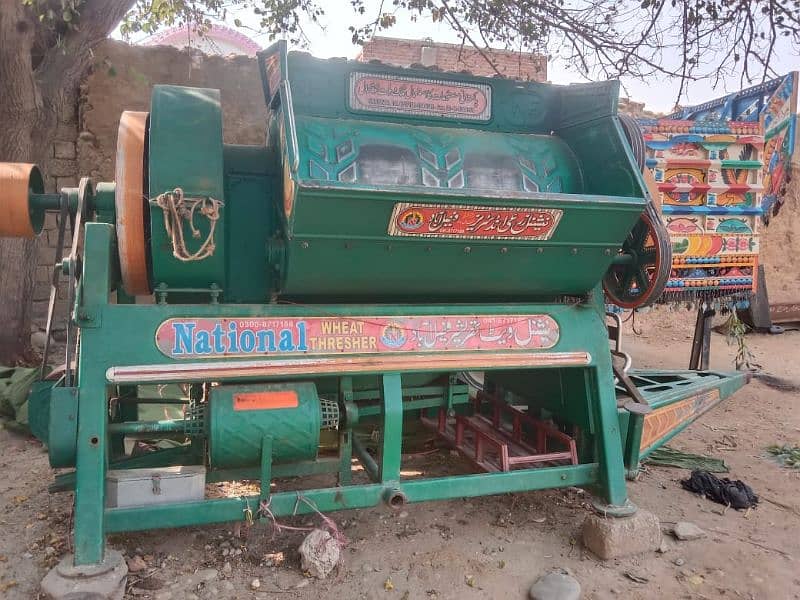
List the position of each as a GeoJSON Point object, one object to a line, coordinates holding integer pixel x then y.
{"type": "Point", "coordinates": [408, 247]}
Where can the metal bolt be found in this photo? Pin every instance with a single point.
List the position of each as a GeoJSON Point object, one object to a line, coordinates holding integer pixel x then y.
{"type": "Point", "coordinates": [304, 245]}
{"type": "Point", "coordinates": [574, 251]}
{"type": "Point", "coordinates": [539, 250]}
{"type": "Point", "coordinates": [608, 252]}
{"type": "Point", "coordinates": [428, 248]}
{"type": "Point", "coordinates": [348, 245]}
{"type": "Point", "coordinates": [503, 250]}
{"type": "Point", "coordinates": [467, 249]}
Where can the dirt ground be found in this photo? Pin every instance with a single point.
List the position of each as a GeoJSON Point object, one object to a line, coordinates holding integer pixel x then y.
{"type": "Point", "coordinates": [493, 547]}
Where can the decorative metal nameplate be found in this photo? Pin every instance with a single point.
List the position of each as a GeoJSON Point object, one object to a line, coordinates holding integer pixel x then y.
{"type": "Point", "coordinates": [417, 96]}
{"type": "Point", "coordinates": [288, 336]}
{"type": "Point", "coordinates": [473, 222]}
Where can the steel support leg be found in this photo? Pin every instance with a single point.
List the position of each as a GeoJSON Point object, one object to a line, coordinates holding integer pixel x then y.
{"type": "Point", "coordinates": [346, 435]}
{"type": "Point", "coordinates": [701, 342]}
{"type": "Point", "coordinates": [266, 467]}
{"type": "Point", "coordinates": [602, 399]}
{"type": "Point", "coordinates": [93, 443]}
{"type": "Point", "coordinates": [392, 412]}
{"type": "Point", "coordinates": [345, 457]}
{"type": "Point", "coordinates": [634, 436]}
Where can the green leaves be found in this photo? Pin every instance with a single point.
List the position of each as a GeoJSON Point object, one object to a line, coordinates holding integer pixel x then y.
{"type": "Point", "coordinates": [59, 16]}
{"type": "Point", "coordinates": [686, 40]}
{"type": "Point", "coordinates": [788, 456]}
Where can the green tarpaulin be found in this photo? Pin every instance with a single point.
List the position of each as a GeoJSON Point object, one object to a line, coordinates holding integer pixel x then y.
{"type": "Point", "coordinates": [15, 383]}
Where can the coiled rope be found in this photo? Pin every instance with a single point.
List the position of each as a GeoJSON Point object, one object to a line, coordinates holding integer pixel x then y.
{"type": "Point", "coordinates": [177, 208]}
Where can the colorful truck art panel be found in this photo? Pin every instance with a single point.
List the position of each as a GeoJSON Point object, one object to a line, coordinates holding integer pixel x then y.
{"type": "Point", "coordinates": [769, 110]}
{"type": "Point", "coordinates": [780, 124]}
{"type": "Point", "coordinates": [708, 179]}
{"type": "Point", "coordinates": [265, 336]}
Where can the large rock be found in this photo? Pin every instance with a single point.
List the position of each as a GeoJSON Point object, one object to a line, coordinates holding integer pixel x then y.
{"type": "Point", "coordinates": [612, 537]}
{"type": "Point", "coordinates": [684, 530]}
{"type": "Point", "coordinates": [556, 586]}
{"type": "Point", "coordinates": [320, 553]}
{"type": "Point", "coordinates": [105, 581]}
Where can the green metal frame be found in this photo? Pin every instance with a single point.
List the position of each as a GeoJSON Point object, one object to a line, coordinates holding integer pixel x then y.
{"type": "Point", "coordinates": [665, 388]}
{"type": "Point", "coordinates": [115, 335]}
{"type": "Point", "coordinates": [265, 256]}
{"type": "Point", "coordinates": [118, 334]}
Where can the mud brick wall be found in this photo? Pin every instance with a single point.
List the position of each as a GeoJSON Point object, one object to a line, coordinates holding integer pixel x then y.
{"type": "Point", "coordinates": [455, 57]}
{"type": "Point", "coordinates": [780, 241]}
{"type": "Point", "coordinates": [121, 78]}
{"type": "Point", "coordinates": [60, 170]}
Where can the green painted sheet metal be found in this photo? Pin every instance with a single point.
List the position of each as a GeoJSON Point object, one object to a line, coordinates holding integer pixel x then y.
{"type": "Point", "coordinates": [348, 497]}
{"type": "Point", "coordinates": [251, 219]}
{"type": "Point", "coordinates": [340, 248]}
{"type": "Point", "coordinates": [185, 151]}
{"type": "Point", "coordinates": [62, 437]}
{"type": "Point", "coordinates": [310, 215]}
{"type": "Point", "coordinates": [678, 399]}
{"type": "Point", "coordinates": [235, 435]}
{"type": "Point", "coordinates": [128, 332]}
{"type": "Point", "coordinates": [363, 153]}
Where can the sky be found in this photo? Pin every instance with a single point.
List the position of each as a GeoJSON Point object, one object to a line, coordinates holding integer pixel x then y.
{"type": "Point", "coordinates": [332, 38]}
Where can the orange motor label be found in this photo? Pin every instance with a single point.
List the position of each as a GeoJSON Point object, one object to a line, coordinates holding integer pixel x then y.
{"type": "Point", "coordinates": [265, 400]}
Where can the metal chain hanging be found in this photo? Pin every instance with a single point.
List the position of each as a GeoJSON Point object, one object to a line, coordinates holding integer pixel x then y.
{"type": "Point", "coordinates": [177, 208]}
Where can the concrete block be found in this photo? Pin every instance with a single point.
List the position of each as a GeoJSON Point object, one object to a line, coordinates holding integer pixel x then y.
{"type": "Point", "coordinates": [44, 275]}
{"type": "Point", "coordinates": [45, 255]}
{"type": "Point", "coordinates": [64, 150]}
{"type": "Point", "coordinates": [41, 293]}
{"type": "Point", "coordinates": [50, 220]}
{"type": "Point", "coordinates": [61, 167]}
{"type": "Point", "coordinates": [610, 537]}
{"type": "Point", "coordinates": [66, 182]}
{"type": "Point", "coordinates": [105, 581]}
{"type": "Point", "coordinates": [67, 131]}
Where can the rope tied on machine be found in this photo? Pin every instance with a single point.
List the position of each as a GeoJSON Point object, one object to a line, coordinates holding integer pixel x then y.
{"type": "Point", "coordinates": [177, 209]}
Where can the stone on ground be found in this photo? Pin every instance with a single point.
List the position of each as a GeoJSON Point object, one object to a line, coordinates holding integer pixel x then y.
{"type": "Point", "coordinates": [556, 586]}
{"type": "Point", "coordinates": [684, 530]}
{"type": "Point", "coordinates": [136, 564]}
{"type": "Point", "coordinates": [105, 581]}
{"type": "Point", "coordinates": [320, 553]}
{"type": "Point", "coordinates": [615, 537]}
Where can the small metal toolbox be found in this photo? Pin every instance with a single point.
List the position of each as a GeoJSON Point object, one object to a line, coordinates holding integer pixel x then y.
{"type": "Point", "coordinates": [161, 485]}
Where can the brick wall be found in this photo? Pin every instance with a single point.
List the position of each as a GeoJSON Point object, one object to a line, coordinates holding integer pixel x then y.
{"type": "Point", "coordinates": [456, 57]}
{"type": "Point", "coordinates": [59, 170]}
{"type": "Point", "coordinates": [121, 78]}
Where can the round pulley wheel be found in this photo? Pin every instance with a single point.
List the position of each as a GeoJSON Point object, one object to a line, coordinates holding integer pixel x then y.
{"type": "Point", "coordinates": [17, 217]}
{"type": "Point", "coordinates": [640, 276]}
{"type": "Point", "coordinates": [131, 202]}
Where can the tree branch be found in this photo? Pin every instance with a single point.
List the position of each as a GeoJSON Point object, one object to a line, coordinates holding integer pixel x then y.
{"type": "Point", "coordinates": [66, 61]}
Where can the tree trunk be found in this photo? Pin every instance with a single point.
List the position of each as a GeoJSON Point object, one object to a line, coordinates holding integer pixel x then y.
{"type": "Point", "coordinates": [19, 113]}
{"type": "Point", "coordinates": [32, 97]}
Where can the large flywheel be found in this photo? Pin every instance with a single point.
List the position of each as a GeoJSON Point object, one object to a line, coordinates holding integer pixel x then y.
{"type": "Point", "coordinates": [640, 272]}
{"type": "Point", "coordinates": [131, 202]}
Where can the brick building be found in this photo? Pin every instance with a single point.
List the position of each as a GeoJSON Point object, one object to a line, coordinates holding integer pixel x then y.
{"type": "Point", "coordinates": [455, 57]}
